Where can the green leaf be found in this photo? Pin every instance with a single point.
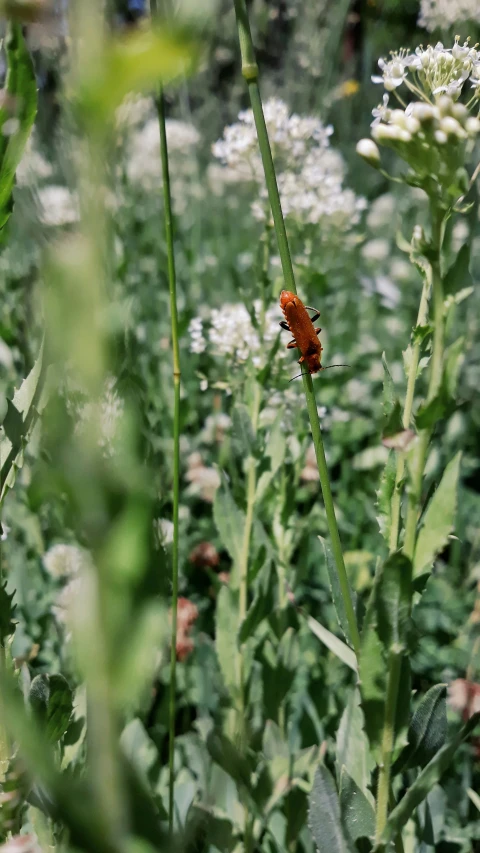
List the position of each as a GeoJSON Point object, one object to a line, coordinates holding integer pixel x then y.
{"type": "Point", "coordinates": [229, 758]}
{"type": "Point", "coordinates": [389, 397]}
{"type": "Point", "coordinates": [52, 701]}
{"type": "Point", "coordinates": [259, 610]}
{"type": "Point", "coordinates": [394, 422]}
{"type": "Point", "coordinates": [337, 597]}
{"type": "Point", "coordinates": [138, 747]}
{"type": "Point", "coordinates": [425, 781]}
{"type": "Point", "coordinates": [133, 62]}
{"type": "Point", "coordinates": [427, 731]}
{"type": "Point", "coordinates": [230, 523]}
{"type": "Point", "coordinates": [385, 494]}
{"type": "Point", "coordinates": [394, 595]}
{"type": "Point", "coordinates": [385, 632]}
{"type": "Point", "coordinates": [324, 817]}
{"type": "Point", "coordinates": [21, 417]}
{"type": "Point", "coordinates": [458, 275]}
{"type": "Point", "coordinates": [7, 612]}
{"type": "Point", "coordinates": [226, 630]}
{"type": "Point", "coordinates": [337, 646]}
{"type": "Point", "coordinates": [275, 454]}
{"type": "Point", "coordinates": [453, 361]}
{"type": "Point", "coordinates": [429, 413]}
{"type": "Point", "coordinates": [19, 107]}
{"type": "Point", "coordinates": [353, 752]}
{"type": "Point", "coordinates": [243, 436]}
{"type": "Point", "coordinates": [358, 815]}
{"type": "Point", "coordinates": [438, 520]}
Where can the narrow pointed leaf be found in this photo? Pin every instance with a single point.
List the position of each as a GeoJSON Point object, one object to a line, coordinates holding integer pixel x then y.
{"type": "Point", "coordinates": [425, 781]}
{"type": "Point", "coordinates": [358, 815]}
{"type": "Point", "coordinates": [324, 817]}
{"type": "Point", "coordinates": [439, 519]}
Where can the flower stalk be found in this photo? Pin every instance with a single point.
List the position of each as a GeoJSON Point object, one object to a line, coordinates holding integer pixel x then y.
{"type": "Point", "coordinates": [167, 200]}
{"type": "Point", "coordinates": [251, 74]}
{"type": "Point", "coordinates": [436, 368]}
{"type": "Point", "coordinates": [407, 413]}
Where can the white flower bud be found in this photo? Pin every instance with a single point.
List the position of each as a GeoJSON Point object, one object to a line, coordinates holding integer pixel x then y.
{"type": "Point", "coordinates": [367, 149]}
{"type": "Point", "coordinates": [444, 104]}
{"type": "Point", "coordinates": [412, 125]}
{"type": "Point", "coordinates": [423, 112]}
{"type": "Point", "coordinates": [441, 137]}
{"type": "Point", "coordinates": [472, 126]}
{"type": "Point", "coordinates": [397, 117]}
{"type": "Point", "coordinates": [390, 133]}
{"type": "Point", "coordinates": [452, 127]}
{"type": "Point", "coordinates": [460, 112]}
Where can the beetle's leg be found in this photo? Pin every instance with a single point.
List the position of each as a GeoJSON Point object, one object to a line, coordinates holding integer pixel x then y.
{"type": "Point", "coordinates": [292, 345]}
{"type": "Point", "coordinates": [301, 360]}
{"type": "Point", "coordinates": [284, 325]}
{"type": "Point", "coordinates": [316, 314]}
{"type": "Point", "coordinates": [317, 331]}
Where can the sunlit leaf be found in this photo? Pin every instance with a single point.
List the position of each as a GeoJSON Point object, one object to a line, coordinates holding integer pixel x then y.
{"type": "Point", "coordinates": [438, 520]}
{"type": "Point", "coordinates": [226, 632]}
{"type": "Point", "coordinates": [21, 416]}
{"type": "Point", "coordinates": [336, 646]}
{"type": "Point", "coordinates": [337, 597]}
{"type": "Point", "coordinates": [353, 752]}
{"type": "Point", "coordinates": [17, 114]}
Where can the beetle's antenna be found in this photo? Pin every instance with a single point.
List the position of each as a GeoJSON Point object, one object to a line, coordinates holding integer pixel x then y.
{"type": "Point", "coordinates": [298, 376]}
{"type": "Point", "coordinates": [334, 365]}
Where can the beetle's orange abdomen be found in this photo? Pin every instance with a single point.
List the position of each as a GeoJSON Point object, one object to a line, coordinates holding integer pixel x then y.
{"type": "Point", "coordinates": [302, 330]}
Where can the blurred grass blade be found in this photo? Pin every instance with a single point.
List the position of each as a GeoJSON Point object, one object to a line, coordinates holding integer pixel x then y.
{"type": "Point", "coordinates": [337, 646]}
{"type": "Point", "coordinates": [136, 62]}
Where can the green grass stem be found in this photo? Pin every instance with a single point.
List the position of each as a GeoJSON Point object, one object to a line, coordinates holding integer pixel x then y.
{"type": "Point", "coordinates": [167, 199]}
{"type": "Point", "coordinates": [250, 73]}
{"type": "Point", "coordinates": [422, 318]}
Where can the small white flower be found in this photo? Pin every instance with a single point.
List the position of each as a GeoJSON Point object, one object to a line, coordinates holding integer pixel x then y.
{"type": "Point", "coordinates": [382, 112]}
{"type": "Point", "coordinates": [58, 206]}
{"type": "Point", "coordinates": [165, 530]}
{"type": "Point", "coordinates": [62, 561]}
{"type": "Point", "coordinates": [443, 14]}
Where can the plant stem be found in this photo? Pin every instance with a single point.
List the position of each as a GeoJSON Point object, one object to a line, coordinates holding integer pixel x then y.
{"type": "Point", "coordinates": [436, 368]}
{"type": "Point", "coordinates": [176, 443]}
{"type": "Point", "coordinates": [250, 73]}
{"type": "Point", "coordinates": [388, 737]}
{"type": "Point", "coordinates": [407, 414]}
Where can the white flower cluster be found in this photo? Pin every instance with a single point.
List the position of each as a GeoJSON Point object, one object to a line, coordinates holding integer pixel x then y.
{"type": "Point", "coordinates": [33, 165]}
{"type": "Point", "coordinates": [65, 561]}
{"type": "Point", "coordinates": [228, 332]}
{"type": "Point", "coordinates": [431, 71]}
{"type": "Point", "coordinates": [310, 174]}
{"type": "Point", "coordinates": [143, 164]}
{"type": "Point", "coordinates": [58, 206]}
{"type": "Point", "coordinates": [103, 415]}
{"type": "Point", "coordinates": [443, 14]}
{"type": "Point", "coordinates": [433, 135]}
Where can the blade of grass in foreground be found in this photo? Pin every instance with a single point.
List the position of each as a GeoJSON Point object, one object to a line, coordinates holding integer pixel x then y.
{"type": "Point", "coordinates": [176, 439]}
{"type": "Point", "coordinates": [250, 73]}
